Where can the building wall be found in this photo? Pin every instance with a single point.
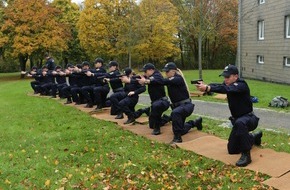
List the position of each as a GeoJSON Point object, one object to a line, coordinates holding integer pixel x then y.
{"type": "Point", "coordinates": [274, 47]}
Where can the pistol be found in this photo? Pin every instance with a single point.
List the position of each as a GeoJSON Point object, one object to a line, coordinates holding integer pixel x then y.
{"type": "Point", "coordinates": [198, 81]}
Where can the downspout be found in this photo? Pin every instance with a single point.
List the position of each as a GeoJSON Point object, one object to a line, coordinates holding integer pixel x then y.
{"type": "Point", "coordinates": [239, 53]}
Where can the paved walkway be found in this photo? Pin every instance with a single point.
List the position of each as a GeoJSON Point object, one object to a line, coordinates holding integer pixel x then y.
{"type": "Point", "coordinates": [269, 119]}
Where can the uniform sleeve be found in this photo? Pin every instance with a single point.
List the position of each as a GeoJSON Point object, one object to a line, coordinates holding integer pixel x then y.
{"type": "Point", "coordinates": [156, 79]}
{"type": "Point", "coordinates": [140, 89]}
{"type": "Point", "coordinates": [176, 80]}
{"type": "Point", "coordinates": [236, 87]}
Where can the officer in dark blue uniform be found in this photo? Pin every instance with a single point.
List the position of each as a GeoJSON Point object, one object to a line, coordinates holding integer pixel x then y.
{"type": "Point", "coordinates": [33, 74]}
{"type": "Point", "coordinates": [132, 89]}
{"type": "Point", "coordinates": [88, 91]}
{"type": "Point", "coordinates": [59, 81]}
{"type": "Point", "coordinates": [159, 102]}
{"type": "Point", "coordinates": [241, 108]}
{"type": "Point", "coordinates": [47, 81]}
{"type": "Point", "coordinates": [116, 85]}
{"type": "Point", "coordinates": [82, 80]}
{"type": "Point", "coordinates": [49, 63]}
{"type": "Point", "coordinates": [72, 81]}
{"type": "Point", "coordinates": [100, 89]}
{"type": "Point", "coordinates": [182, 107]}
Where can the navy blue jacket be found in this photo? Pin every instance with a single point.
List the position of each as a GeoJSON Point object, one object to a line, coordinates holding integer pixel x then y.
{"type": "Point", "coordinates": [238, 95]}
{"type": "Point", "coordinates": [115, 82]}
{"type": "Point", "coordinates": [177, 90]}
{"type": "Point", "coordinates": [134, 86]}
{"type": "Point", "coordinates": [156, 87]}
{"type": "Point", "coordinates": [50, 64]}
{"type": "Point", "coordinates": [98, 73]}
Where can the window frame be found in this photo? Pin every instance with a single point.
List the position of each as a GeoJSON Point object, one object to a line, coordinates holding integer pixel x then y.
{"type": "Point", "coordinates": [260, 59]}
{"type": "Point", "coordinates": [287, 26]}
{"type": "Point", "coordinates": [261, 2]}
{"type": "Point", "coordinates": [286, 61]}
{"type": "Point", "coordinates": [261, 29]}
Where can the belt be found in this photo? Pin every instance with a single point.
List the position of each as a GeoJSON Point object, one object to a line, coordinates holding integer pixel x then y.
{"type": "Point", "coordinates": [181, 102]}
{"type": "Point", "coordinates": [165, 98]}
{"type": "Point", "coordinates": [118, 89]}
{"type": "Point", "coordinates": [234, 118]}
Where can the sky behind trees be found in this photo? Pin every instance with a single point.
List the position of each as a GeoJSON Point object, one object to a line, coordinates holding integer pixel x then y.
{"type": "Point", "coordinates": [77, 1]}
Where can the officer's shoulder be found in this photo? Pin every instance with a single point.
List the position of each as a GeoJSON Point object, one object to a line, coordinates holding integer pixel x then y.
{"type": "Point", "coordinates": [241, 80]}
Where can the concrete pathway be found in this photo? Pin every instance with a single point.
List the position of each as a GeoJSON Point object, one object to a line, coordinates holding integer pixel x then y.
{"type": "Point", "coordinates": [269, 119]}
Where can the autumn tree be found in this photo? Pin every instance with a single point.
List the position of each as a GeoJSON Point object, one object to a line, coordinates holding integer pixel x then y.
{"type": "Point", "coordinates": [69, 16]}
{"type": "Point", "coordinates": [31, 29]}
{"type": "Point", "coordinates": [3, 39]}
{"type": "Point", "coordinates": [223, 41]}
{"type": "Point", "coordinates": [216, 21]}
{"type": "Point", "coordinates": [157, 30]}
{"type": "Point", "coordinates": [103, 27]}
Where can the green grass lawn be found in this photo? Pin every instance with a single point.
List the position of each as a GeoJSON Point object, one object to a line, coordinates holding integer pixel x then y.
{"type": "Point", "coordinates": [46, 145]}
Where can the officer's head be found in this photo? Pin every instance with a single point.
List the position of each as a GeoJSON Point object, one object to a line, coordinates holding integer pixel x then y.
{"type": "Point", "coordinates": [127, 71]}
{"type": "Point", "coordinates": [85, 65]}
{"type": "Point", "coordinates": [79, 66]}
{"type": "Point", "coordinates": [34, 68]}
{"type": "Point", "coordinates": [170, 69]}
{"type": "Point", "coordinates": [44, 68]}
{"type": "Point", "coordinates": [99, 62]}
{"type": "Point", "coordinates": [113, 65]}
{"type": "Point", "coordinates": [57, 68]}
{"type": "Point", "coordinates": [230, 74]}
{"type": "Point", "coordinates": [69, 65]}
{"type": "Point", "coordinates": [47, 56]}
{"type": "Point", "coordinates": [148, 69]}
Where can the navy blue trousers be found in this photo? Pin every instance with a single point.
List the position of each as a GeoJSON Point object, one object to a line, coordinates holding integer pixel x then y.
{"type": "Point", "coordinates": [240, 140]}
{"type": "Point", "coordinates": [178, 115]}
{"type": "Point", "coordinates": [157, 109]}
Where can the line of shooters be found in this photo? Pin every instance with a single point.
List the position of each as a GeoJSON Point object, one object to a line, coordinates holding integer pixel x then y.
{"type": "Point", "coordinates": [91, 86]}
{"type": "Point", "coordinates": [80, 84]}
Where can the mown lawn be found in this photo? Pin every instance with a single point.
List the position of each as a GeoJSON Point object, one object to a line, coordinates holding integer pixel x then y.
{"type": "Point", "coordinates": [46, 145]}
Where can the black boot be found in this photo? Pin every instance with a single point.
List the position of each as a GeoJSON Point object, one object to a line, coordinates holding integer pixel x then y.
{"type": "Point", "coordinates": [147, 111]}
{"type": "Point", "coordinates": [89, 105]}
{"type": "Point", "coordinates": [244, 160]}
{"type": "Point", "coordinates": [98, 108]}
{"type": "Point", "coordinates": [156, 131]}
{"type": "Point", "coordinates": [165, 119]}
{"type": "Point", "coordinates": [130, 120]}
{"type": "Point", "coordinates": [119, 116]}
{"type": "Point", "coordinates": [140, 111]}
{"type": "Point", "coordinates": [176, 139]}
{"type": "Point", "coordinates": [68, 102]}
{"type": "Point", "coordinates": [198, 123]}
{"type": "Point", "coordinates": [257, 138]}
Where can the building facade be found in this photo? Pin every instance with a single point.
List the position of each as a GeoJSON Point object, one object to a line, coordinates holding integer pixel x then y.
{"type": "Point", "coordinates": [264, 40]}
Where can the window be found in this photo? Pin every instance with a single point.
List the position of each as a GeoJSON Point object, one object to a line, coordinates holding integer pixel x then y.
{"type": "Point", "coordinates": [261, 2]}
{"type": "Point", "coordinates": [287, 26]}
{"type": "Point", "coordinates": [261, 29]}
{"type": "Point", "coordinates": [287, 61]}
{"type": "Point", "coordinates": [260, 59]}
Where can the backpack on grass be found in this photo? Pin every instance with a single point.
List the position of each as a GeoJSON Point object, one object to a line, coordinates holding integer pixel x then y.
{"type": "Point", "coordinates": [279, 102]}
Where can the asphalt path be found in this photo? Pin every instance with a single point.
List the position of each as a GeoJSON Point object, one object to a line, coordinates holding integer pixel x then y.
{"type": "Point", "coordinates": [269, 119]}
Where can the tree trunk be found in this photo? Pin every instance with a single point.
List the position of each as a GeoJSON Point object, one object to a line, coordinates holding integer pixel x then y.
{"type": "Point", "coordinates": [22, 61]}
{"type": "Point", "coordinates": [181, 51]}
